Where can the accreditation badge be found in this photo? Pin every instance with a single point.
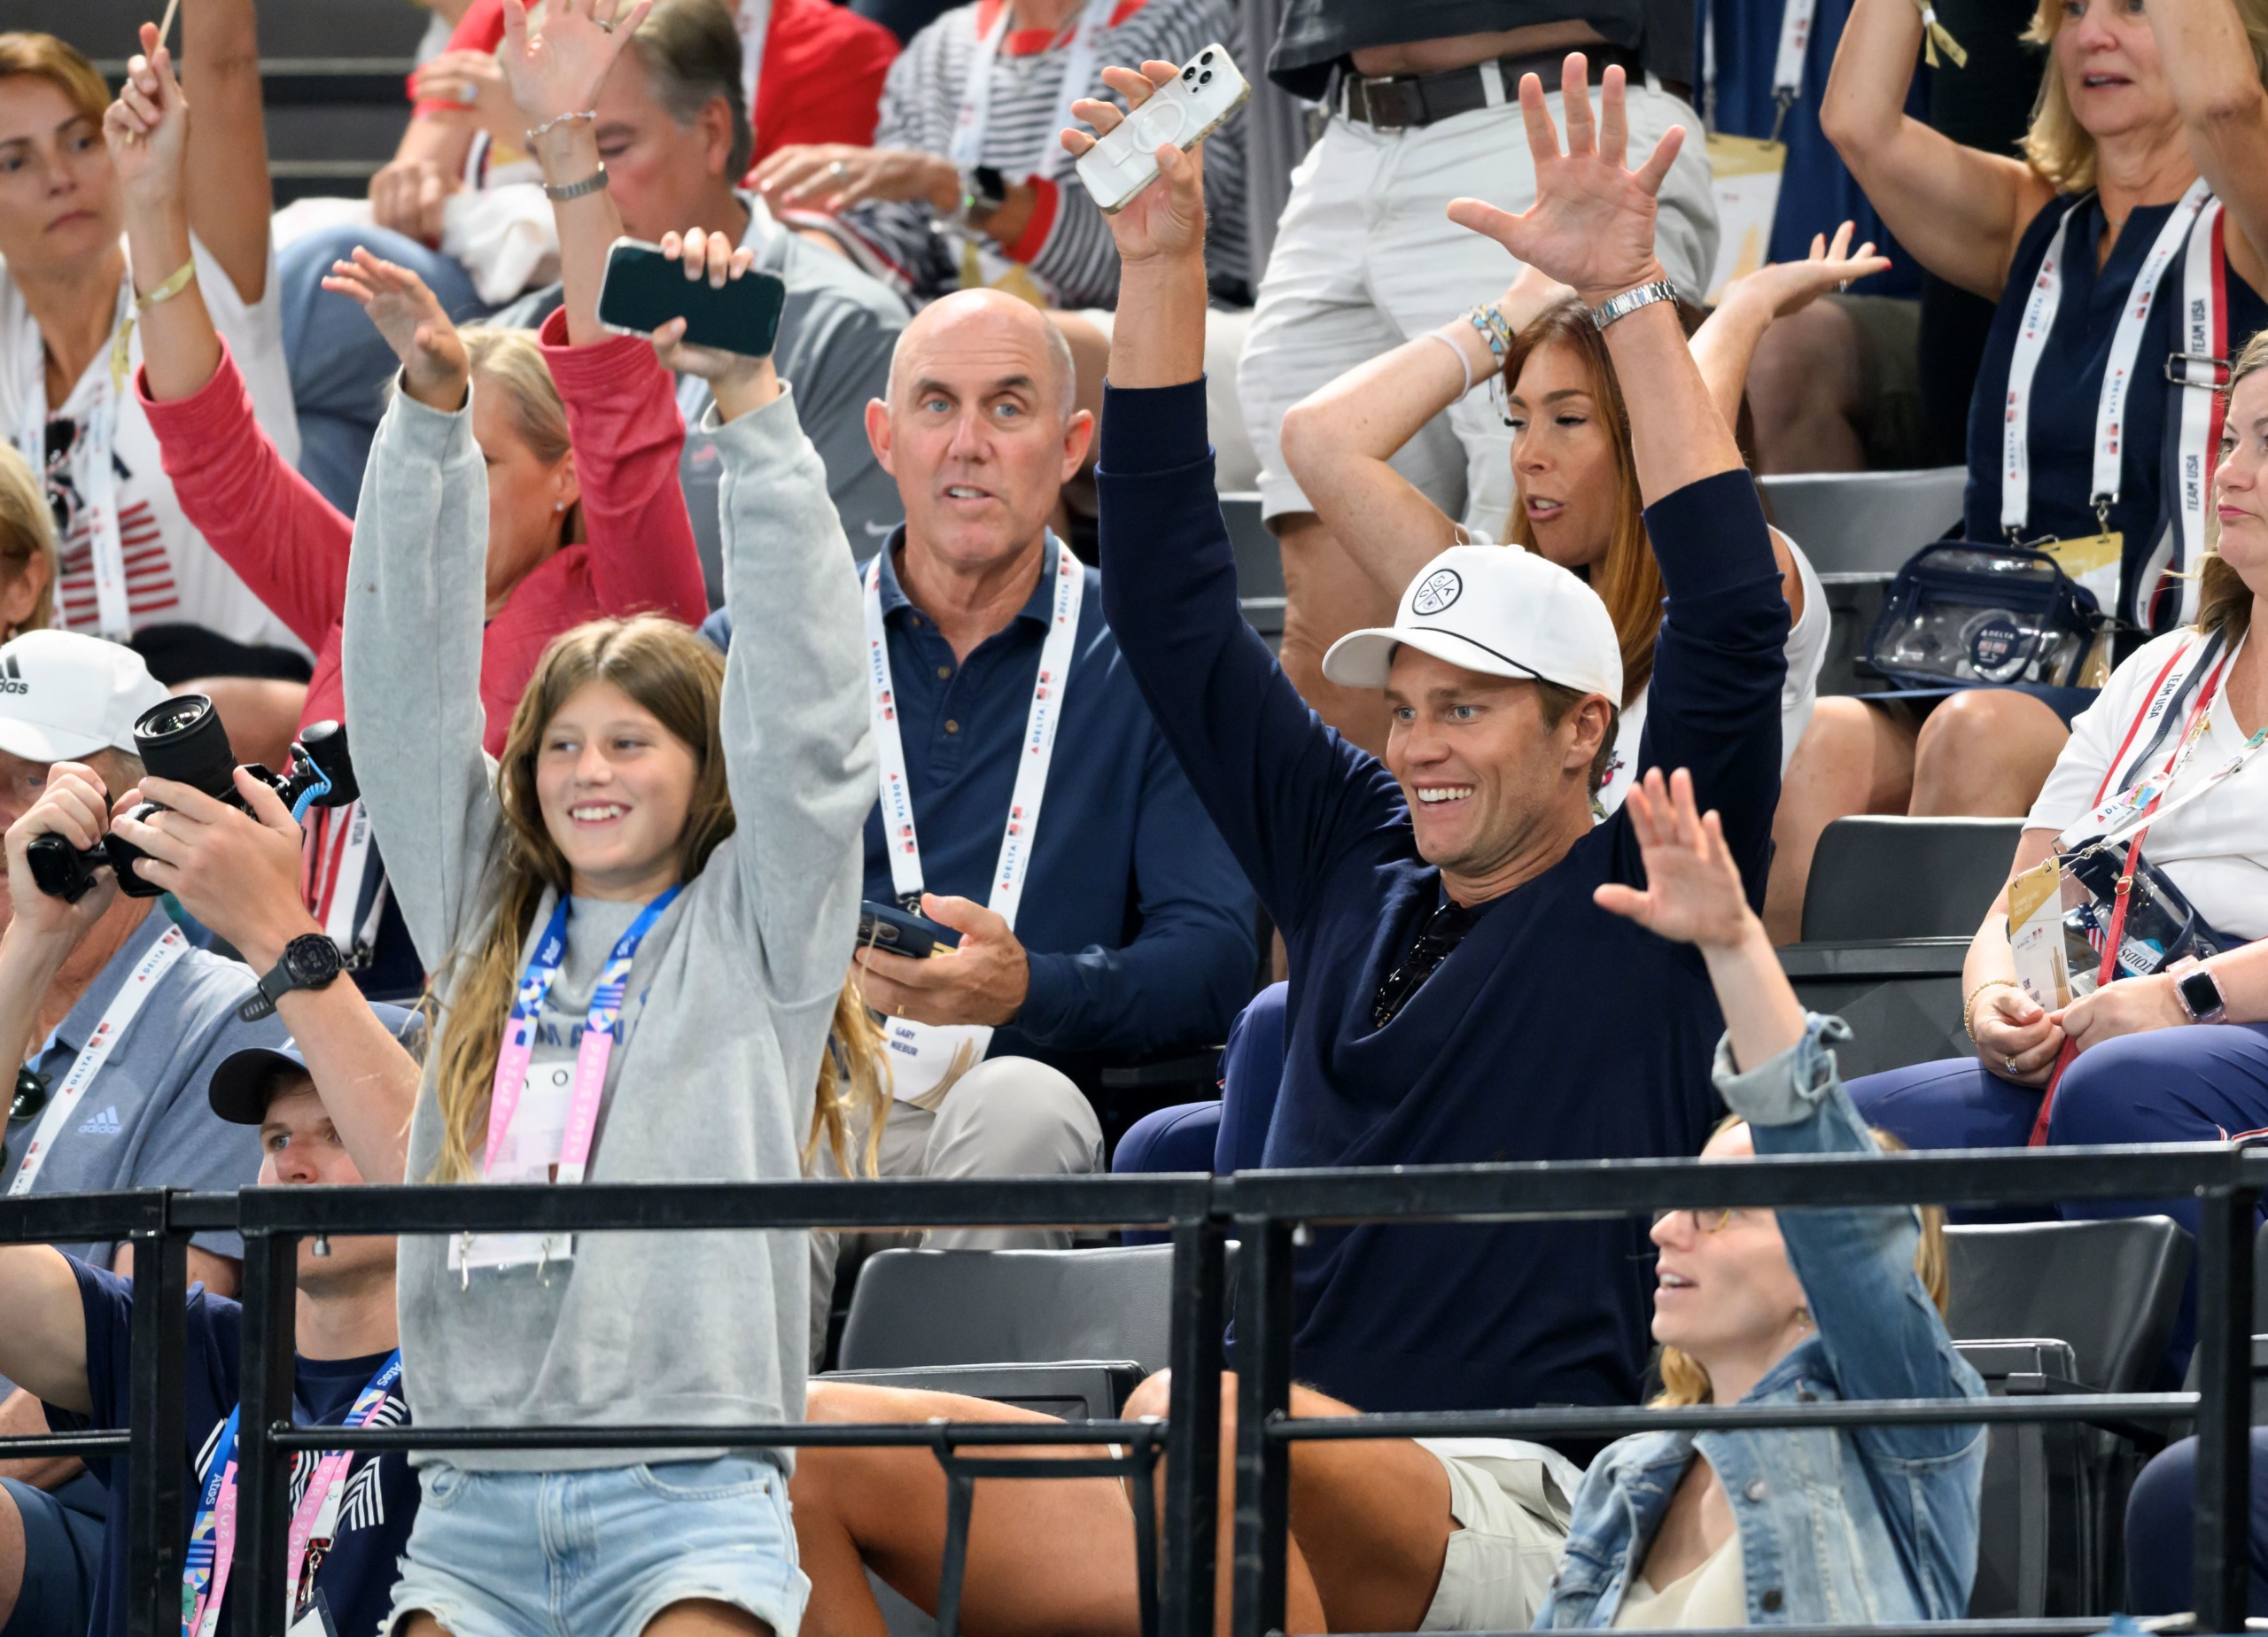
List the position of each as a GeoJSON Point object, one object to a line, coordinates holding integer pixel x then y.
{"type": "Point", "coordinates": [1745, 179]}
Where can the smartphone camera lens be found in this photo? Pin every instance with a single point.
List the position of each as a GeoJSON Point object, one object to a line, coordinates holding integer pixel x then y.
{"type": "Point", "coordinates": [1189, 73]}
{"type": "Point", "coordinates": [1205, 78]}
{"type": "Point", "coordinates": [1206, 58]}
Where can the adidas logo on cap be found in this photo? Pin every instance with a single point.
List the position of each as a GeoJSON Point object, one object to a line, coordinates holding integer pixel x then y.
{"type": "Point", "coordinates": [11, 676]}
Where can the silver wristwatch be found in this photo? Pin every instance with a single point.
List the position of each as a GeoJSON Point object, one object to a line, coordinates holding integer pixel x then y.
{"type": "Point", "coordinates": [1630, 300]}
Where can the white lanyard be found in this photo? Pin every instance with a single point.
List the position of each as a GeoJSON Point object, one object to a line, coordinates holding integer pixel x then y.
{"type": "Point", "coordinates": [926, 1059]}
{"type": "Point", "coordinates": [2117, 373]}
{"type": "Point", "coordinates": [117, 1018]}
{"type": "Point", "coordinates": [92, 470]}
{"type": "Point", "coordinates": [1788, 65]}
{"type": "Point", "coordinates": [2200, 371]}
{"type": "Point", "coordinates": [967, 144]}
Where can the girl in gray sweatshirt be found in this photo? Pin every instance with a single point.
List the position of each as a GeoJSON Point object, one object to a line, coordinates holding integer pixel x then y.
{"type": "Point", "coordinates": [638, 921]}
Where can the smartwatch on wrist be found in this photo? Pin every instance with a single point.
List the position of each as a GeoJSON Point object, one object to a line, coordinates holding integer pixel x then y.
{"type": "Point", "coordinates": [2200, 995]}
{"type": "Point", "coordinates": [309, 961]}
{"type": "Point", "coordinates": [982, 192]}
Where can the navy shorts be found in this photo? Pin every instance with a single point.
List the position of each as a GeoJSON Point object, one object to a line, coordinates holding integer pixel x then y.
{"type": "Point", "coordinates": [63, 1549]}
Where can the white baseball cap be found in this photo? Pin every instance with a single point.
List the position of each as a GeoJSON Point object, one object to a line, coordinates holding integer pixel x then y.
{"type": "Point", "coordinates": [64, 696]}
{"type": "Point", "coordinates": [1497, 610]}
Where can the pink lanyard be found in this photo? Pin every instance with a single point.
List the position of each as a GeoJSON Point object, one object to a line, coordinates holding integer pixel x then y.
{"type": "Point", "coordinates": [591, 1056]}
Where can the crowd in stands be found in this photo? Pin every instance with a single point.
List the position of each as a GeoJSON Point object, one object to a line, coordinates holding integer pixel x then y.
{"type": "Point", "coordinates": [679, 682]}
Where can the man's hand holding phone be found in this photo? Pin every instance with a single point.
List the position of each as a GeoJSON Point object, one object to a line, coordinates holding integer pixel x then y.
{"type": "Point", "coordinates": [739, 382]}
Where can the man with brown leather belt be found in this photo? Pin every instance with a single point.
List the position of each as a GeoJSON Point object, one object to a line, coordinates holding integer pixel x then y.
{"type": "Point", "coordinates": [1424, 108]}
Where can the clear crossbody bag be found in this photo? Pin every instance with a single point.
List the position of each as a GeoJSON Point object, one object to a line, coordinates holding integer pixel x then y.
{"type": "Point", "coordinates": [1968, 615]}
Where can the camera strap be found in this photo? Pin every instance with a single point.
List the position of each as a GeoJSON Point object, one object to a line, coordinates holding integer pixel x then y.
{"type": "Point", "coordinates": [925, 1059]}
{"type": "Point", "coordinates": [117, 1018]}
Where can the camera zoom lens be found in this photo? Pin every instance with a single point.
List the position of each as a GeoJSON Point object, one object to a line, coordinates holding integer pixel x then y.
{"type": "Point", "coordinates": [1206, 56]}
{"type": "Point", "coordinates": [1205, 79]}
{"type": "Point", "coordinates": [182, 739]}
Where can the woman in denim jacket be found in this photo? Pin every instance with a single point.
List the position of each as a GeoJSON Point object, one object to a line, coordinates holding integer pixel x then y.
{"type": "Point", "coordinates": [1839, 1525]}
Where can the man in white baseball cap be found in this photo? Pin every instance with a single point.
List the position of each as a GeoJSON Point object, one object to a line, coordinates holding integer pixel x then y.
{"type": "Point", "coordinates": [65, 697]}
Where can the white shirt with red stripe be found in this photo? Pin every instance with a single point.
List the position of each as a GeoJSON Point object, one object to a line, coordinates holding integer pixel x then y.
{"type": "Point", "coordinates": [172, 576]}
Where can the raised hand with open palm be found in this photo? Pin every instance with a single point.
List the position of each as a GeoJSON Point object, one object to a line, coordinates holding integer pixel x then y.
{"type": "Point", "coordinates": [1592, 224]}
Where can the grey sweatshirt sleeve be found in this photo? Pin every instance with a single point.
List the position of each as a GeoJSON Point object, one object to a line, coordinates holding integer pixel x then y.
{"type": "Point", "coordinates": [416, 593]}
{"type": "Point", "coordinates": [798, 746]}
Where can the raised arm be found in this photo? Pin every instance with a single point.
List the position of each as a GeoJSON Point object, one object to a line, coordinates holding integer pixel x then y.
{"type": "Point", "coordinates": [1592, 228]}
{"type": "Point", "coordinates": [1287, 793]}
{"type": "Point", "coordinates": [1961, 211]}
{"type": "Point", "coordinates": [798, 748]}
{"type": "Point", "coordinates": [227, 184]}
{"type": "Point", "coordinates": [555, 72]}
{"type": "Point", "coordinates": [1726, 343]}
{"type": "Point", "coordinates": [1340, 440]}
{"type": "Point", "coordinates": [2215, 82]}
{"type": "Point", "coordinates": [267, 522]}
{"type": "Point", "coordinates": [416, 591]}
{"type": "Point", "coordinates": [1776, 1072]}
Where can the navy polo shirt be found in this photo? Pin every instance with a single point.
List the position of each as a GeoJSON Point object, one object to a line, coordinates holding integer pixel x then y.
{"type": "Point", "coordinates": [1138, 921]}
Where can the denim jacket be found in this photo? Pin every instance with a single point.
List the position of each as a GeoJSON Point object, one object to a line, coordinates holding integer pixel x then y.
{"type": "Point", "coordinates": [1839, 1525]}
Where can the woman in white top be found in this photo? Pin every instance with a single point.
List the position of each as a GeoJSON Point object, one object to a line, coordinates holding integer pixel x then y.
{"type": "Point", "coordinates": [132, 567]}
{"type": "Point", "coordinates": [2179, 1053]}
{"type": "Point", "coordinates": [1574, 481]}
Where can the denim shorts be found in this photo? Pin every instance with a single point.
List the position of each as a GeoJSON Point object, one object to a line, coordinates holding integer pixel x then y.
{"type": "Point", "coordinates": [599, 1552]}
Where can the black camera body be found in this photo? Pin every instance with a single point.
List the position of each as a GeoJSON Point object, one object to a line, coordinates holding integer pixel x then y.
{"type": "Point", "coordinates": [182, 739]}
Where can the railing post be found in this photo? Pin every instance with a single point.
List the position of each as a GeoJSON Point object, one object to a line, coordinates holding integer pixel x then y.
{"type": "Point", "coordinates": [1193, 1429]}
{"type": "Point", "coordinates": [2224, 1322]}
{"type": "Point", "coordinates": [155, 1470]}
{"type": "Point", "coordinates": [263, 1471]}
{"type": "Point", "coordinates": [1263, 1389]}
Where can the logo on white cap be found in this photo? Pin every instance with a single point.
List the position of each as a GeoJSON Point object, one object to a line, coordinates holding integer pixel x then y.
{"type": "Point", "coordinates": [1436, 592]}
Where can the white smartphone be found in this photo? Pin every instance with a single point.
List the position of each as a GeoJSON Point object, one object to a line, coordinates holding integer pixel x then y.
{"type": "Point", "coordinates": [1183, 113]}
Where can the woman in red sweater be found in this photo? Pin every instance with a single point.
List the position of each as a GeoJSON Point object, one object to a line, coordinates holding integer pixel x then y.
{"type": "Point", "coordinates": [581, 429]}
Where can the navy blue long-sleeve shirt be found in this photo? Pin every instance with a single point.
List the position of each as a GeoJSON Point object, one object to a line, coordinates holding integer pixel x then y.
{"type": "Point", "coordinates": [1137, 924]}
{"type": "Point", "coordinates": [1553, 1031]}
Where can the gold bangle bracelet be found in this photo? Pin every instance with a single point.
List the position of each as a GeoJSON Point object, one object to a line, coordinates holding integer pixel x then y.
{"type": "Point", "coordinates": [1969, 1006]}
{"type": "Point", "coordinates": [179, 280]}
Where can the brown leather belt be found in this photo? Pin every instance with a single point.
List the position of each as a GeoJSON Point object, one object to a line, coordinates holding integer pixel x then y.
{"type": "Point", "coordinates": [1405, 102]}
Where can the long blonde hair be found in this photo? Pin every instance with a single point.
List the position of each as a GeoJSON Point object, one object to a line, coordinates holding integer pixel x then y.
{"type": "Point", "coordinates": [2060, 148]}
{"type": "Point", "coordinates": [1684, 1380]}
{"type": "Point", "coordinates": [667, 669]}
{"type": "Point", "coordinates": [512, 361]}
{"type": "Point", "coordinates": [2224, 601]}
{"type": "Point", "coordinates": [853, 1094]}
{"type": "Point", "coordinates": [27, 538]}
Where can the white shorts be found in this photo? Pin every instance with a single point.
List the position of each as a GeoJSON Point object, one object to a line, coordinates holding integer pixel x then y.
{"type": "Point", "coordinates": [1511, 1501]}
{"type": "Point", "coordinates": [1365, 258]}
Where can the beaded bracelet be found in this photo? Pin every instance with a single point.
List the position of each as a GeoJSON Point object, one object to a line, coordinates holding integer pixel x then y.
{"type": "Point", "coordinates": [1968, 1007]}
{"type": "Point", "coordinates": [1494, 327]}
{"type": "Point", "coordinates": [559, 119]}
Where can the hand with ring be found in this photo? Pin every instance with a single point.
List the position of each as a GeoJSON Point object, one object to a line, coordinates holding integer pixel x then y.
{"type": "Point", "coordinates": [2016, 1039]}
{"type": "Point", "coordinates": [830, 176]}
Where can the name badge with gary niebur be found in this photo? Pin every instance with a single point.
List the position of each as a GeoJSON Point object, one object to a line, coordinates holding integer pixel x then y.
{"type": "Point", "coordinates": [526, 1153]}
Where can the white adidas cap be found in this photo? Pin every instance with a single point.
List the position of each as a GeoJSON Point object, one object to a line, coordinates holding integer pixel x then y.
{"type": "Point", "coordinates": [64, 696]}
{"type": "Point", "coordinates": [1496, 609]}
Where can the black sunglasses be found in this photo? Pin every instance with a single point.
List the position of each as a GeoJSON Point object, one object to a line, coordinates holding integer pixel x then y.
{"type": "Point", "coordinates": [1443, 931]}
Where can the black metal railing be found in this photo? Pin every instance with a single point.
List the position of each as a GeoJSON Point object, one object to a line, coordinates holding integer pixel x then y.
{"type": "Point", "coordinates": [1267, 1211]}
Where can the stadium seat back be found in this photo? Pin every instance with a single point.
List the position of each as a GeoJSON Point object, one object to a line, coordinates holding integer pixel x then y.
{"type": "Point", "coordinates": [931, 1308]}
{"type": "Point", "coordinates": [2110, 1290]}
{"type": "Point", "coordinates": [2037, 1549]}
{"type": "Point", "coordinates": [1865, 523]}
{"type": "Point", "coordinates": [1900, 997]}
{"type": "Point", "coordinates": [1877, 878]}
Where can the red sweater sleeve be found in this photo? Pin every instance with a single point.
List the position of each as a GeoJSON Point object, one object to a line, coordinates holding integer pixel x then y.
{"type": "Point", "coordinates": [286, 542]}
{"type": "Point", "coordinates": [623, 418]}
{"type": "Point", "coordinates": [824, 65]}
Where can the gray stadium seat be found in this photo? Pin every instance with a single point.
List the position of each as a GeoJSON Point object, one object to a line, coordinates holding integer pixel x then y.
{"type": "Point", "coordinates": [1901, 998]}
{"type": "Point", "coordinates": [2106, 1293]}
{"type": "Point", "coordinates": [1875, 877]}
{"type": "Point", "coordinates": [929, 1307]}
{"type": "Point", "coordinates": [1864, 522]}
{"type": "Point", "coordinates": [1260, 565]}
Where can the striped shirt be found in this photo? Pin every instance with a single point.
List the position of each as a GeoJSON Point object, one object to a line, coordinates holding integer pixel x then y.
{"type": "Point", "coordinates": [1067, 245]}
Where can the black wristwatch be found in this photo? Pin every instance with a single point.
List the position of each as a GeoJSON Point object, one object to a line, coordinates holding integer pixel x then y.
{"type": "Point", "coordinates": [982, 191]}
{"type": "Point", "coordinates": [2200, 995]}
{"type": "Point", "coordinates": [310, 961]}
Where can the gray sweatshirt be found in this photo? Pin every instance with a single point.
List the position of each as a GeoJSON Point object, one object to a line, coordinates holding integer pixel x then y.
{"type": "Point", "coordinates": [731, 993]}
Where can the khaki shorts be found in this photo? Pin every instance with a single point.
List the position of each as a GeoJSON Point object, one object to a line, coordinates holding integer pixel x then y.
{"type": "Point", "coordinates": [1511, 1501]}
